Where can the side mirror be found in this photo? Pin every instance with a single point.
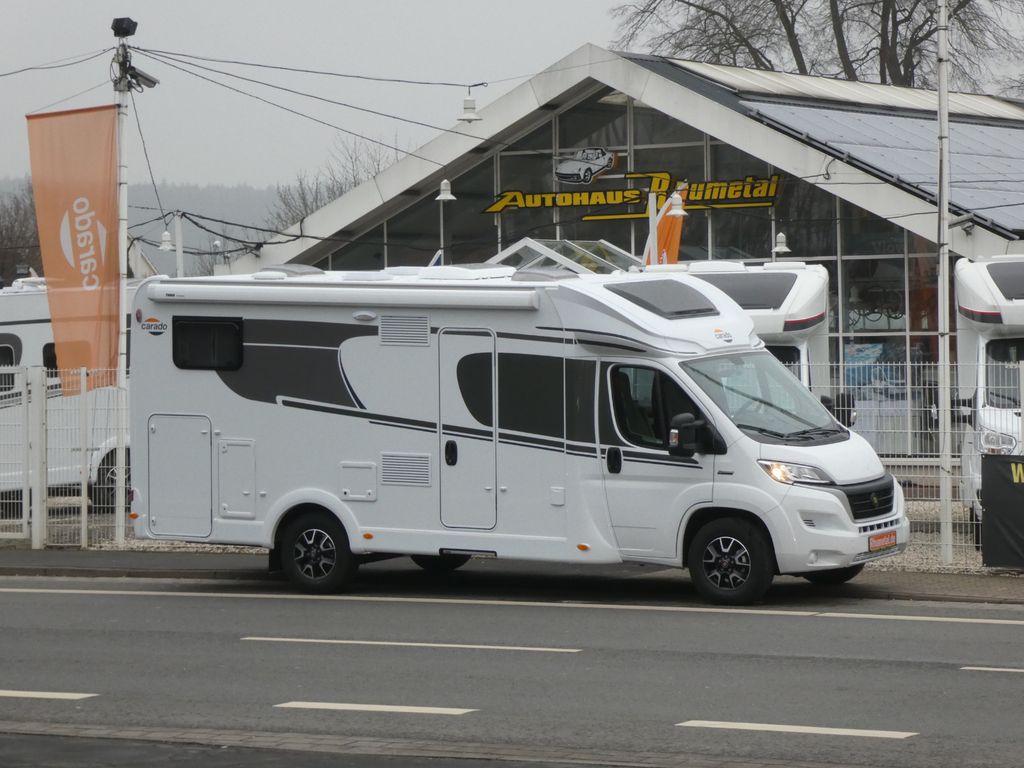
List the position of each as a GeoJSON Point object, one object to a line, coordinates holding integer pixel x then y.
{"type": "Point", "coordinates": [682, 434]}
{"type": "Point", "coordinates": [963, 411]}
{"type": "Point", "coordinates": [842, 407]}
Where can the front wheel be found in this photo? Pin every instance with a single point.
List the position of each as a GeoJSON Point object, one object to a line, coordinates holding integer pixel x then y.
{"type": "Point", "coordinates": [834, 575]}
{"type": "Point", "coordinates": [730, 562]}
{"type": "Point", "coordinates": [315, 555]}
{"type": "Point", "coordinates": [103, 493]}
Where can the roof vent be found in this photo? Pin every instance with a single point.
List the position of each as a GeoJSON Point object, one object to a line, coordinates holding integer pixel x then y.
{"type": "Point", "coordinates": [282, 271]}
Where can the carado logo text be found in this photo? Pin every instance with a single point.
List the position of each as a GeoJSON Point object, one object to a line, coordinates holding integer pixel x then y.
{"type": "Point", "coordinates": [83, 240]}
{"type": "Point", "coordinates": [154, 325]}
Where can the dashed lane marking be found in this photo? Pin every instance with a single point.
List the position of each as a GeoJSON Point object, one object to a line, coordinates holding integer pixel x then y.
{"type": "Point", "coordinates": [330, 705]}
{"type": "Point", "coordinates": [810, 729]}
{"type": "Point", "coordinates": [398, 644]}
{"type": "Point", "coordinates": [58, 695]}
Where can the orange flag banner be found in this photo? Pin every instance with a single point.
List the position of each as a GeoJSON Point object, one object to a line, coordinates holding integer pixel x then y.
{"type": "Point", "coordinates": [670, 235]}
{"type": "Point", "coordinates": [74, 179]}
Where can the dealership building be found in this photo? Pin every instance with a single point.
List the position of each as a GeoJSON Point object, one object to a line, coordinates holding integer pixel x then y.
{"type": "Point", "coordinates": [847, 171]}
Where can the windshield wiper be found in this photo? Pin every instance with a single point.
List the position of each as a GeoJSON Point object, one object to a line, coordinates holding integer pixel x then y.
{"type": "Point", "coordinates": [762, 430]}
{"type": "Point", "coordinates": [813, 431]}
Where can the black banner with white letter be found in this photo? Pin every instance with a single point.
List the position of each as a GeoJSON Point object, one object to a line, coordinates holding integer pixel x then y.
{"type": "Point", "coordinates": [1002, 496]}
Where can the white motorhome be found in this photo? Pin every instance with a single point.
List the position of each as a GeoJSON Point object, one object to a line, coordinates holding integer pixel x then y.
{"type": "Point", "coordinates": [26, 340]}
{"type": "Point", "coordinates": [990, 344]}
{"type": "Point", "coordinates": [459, 411]}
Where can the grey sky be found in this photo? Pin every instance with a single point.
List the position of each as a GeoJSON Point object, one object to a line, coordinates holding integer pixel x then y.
{"type": "Point", "coordinates": [198, 132]}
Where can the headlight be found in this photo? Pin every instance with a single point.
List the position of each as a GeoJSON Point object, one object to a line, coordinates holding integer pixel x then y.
{"type": "Point", "coordinates": [997, 442]}
{"type": "Point", "coordinates": [788, 473]}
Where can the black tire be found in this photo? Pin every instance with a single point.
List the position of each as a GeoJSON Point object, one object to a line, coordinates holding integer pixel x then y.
{"type": "Point", "coordinates": [587, 175]}
{"type": "Point", "coordinates": [315, 555]}
{"type": "Point", "coordinates": [438, 565]}
{"type": "Point", "coordinates": [103, 493]}
{"type": "Point", "coordinates": [834, 575]}
{"type": "Point", "coordinates": [730, 562]}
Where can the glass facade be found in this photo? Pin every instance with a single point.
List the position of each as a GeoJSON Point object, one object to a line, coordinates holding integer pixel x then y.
{"type": "Point", "coordinates": [600, 156]}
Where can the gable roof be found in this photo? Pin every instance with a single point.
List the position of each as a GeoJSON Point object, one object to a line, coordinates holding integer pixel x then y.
{"type": "Point", "coordinates": [872, 145]}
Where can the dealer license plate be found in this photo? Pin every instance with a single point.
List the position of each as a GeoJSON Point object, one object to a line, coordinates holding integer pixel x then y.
{"type": "Point", "coordinates": [882, 541]}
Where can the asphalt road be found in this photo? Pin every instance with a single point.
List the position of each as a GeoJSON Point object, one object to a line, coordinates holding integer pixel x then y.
{"type": "Point", "coordinates": [538, 667]}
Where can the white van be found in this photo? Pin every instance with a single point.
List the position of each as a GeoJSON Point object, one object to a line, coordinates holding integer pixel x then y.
{"type": "Point", "coordinates": [26, 340]}
{"type": "Point", "coordinates": [459, 411]}
{"type": "Point", "coordinates": [990, 345]}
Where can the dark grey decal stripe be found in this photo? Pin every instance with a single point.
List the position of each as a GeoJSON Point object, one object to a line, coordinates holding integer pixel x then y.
{"type": "Point", "coordinates": [377, 418]}
{"type": "Point", "coordinates": [25, 322]}
{"type": "Point", "coordinates": [468, 431]}
{"type": "Point", "coordinates": [529, 439]}
{"type": "Point", "coordinates": [530, 337]}
{"type": "Point", "coordinates": [646, 458]}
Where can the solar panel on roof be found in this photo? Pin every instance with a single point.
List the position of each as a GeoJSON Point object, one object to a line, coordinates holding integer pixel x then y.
{"type": "Point", "coordinates": [667, 298]}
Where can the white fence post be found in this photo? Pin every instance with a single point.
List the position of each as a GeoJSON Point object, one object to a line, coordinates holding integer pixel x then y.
{"type": "Point", "coordinates": [121, 421]}
{"type": "Point", "coordinates": [37, 453]}
{"type": "Point", "coordinates": [84, 443]}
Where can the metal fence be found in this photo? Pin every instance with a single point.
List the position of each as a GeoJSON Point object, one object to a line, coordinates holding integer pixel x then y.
{"type": "Point", "coordinates": [895, 403]}
{"type": "Point", "coordinates": [58, 456]}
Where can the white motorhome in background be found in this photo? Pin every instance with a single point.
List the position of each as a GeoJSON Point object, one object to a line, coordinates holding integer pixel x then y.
{"type": "Point", "coordinates": [450, 412]}
{"type": "Point", "coordinates": [26, 340]}
{"type": "Point", "coordinates": [990, 344]}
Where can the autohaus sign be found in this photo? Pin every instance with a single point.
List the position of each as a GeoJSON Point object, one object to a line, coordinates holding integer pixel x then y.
{"type": "Point", "coordinates": [631, 202]}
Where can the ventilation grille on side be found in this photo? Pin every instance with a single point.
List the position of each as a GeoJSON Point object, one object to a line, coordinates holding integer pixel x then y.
{"type": "Point", "coordinates": [405, 331]}
{"type": "Point", "coordinates": [405, 469]}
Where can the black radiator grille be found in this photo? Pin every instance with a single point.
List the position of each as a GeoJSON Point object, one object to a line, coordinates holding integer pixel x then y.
{"type": "Point", "coordinates": [871, 499]}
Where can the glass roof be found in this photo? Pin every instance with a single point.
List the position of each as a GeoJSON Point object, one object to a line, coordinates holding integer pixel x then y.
{"type": "Point", "coordinates": [576, 255]}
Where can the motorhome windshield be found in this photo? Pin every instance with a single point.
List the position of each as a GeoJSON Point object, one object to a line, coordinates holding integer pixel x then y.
{"type": "Point", "coordinates": [763, 398]}
{"type": "Point", "coordinates": [1002, 378]}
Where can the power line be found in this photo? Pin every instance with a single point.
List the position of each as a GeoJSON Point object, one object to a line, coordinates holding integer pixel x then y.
{"type": "Point", "coordinates": [296, 112]}
{"type": "Point", "coordinates": [56, 64]}
{"type": "Point", "coordinates": [301, 70]}
{"type": "Point", "coordinates": [324, 99]}
{"type": "Point", "coordinates": [105, 83]}
{"type": "Point", "coordinates": [145, 152]}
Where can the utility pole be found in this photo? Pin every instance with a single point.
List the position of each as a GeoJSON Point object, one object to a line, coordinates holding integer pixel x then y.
{"type": "Point", "coordinates": [126, 78]}
{"type": "Point", "coordinates": [944, 380]}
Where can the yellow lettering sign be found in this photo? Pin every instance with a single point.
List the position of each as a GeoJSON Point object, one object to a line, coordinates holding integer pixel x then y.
{"type": "Point", "coordinates": [1018, 472]}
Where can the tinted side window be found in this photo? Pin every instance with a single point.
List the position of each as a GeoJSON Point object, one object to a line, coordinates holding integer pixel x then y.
{"type": "Point", "coordinates": [644, 401]}
{"type": "Point", "coordinates": [475, 376]}
{"type": "Point", "coordinates": [6, 359]}
{"type": "Point", "coordinates": [207, 343]}
{"type": "Point", "coordinates": [50, 359]}
{"type": "Point", "coordinates": [530, 395]}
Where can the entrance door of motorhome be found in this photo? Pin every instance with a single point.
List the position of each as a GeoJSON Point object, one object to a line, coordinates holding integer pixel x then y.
{"type": "Point", "coordinates": [648, 489]}
{"type": "Point", "coordinates": [467, 428]}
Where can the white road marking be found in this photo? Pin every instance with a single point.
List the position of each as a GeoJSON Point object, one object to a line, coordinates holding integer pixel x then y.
{"type": "Point", "coordinates": [458, 646]}
{"type": "Point", "coordinates": [775, 728]}
{"type": "Point", "coordinates": [936, 619]}
{"type": "Point", "coordinates": [511, 604]}
{"type": "Point", "coordinates": [46, 695]}
{"type": "Point", "coordinates": [373, 708]}
{"type": "Point", "coordinates": [992, 669]}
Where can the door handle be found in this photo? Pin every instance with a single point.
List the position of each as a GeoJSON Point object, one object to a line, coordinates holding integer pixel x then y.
{"type": "Point", "coordinates": [614, 461]}
{"type": "Point", "coordinates": [451, 453]}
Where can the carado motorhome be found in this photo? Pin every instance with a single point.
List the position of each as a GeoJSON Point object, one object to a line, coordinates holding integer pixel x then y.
{"type": "Point", "coordinates": [26, 340]}
{"type": "Point", "coordinates": [458, 411]}
{"type": "Point", "coordinates": [990, 345]}
{"type": "Point", "coordinates": [788, 302]}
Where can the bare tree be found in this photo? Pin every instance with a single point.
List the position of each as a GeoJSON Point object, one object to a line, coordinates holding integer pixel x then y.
{"type": "Point", "coordinates": [886, 41]}
{"type": "Point", "coordinates": [19, 238]}
{"type": "Point", "coordinates": [351, 162]}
